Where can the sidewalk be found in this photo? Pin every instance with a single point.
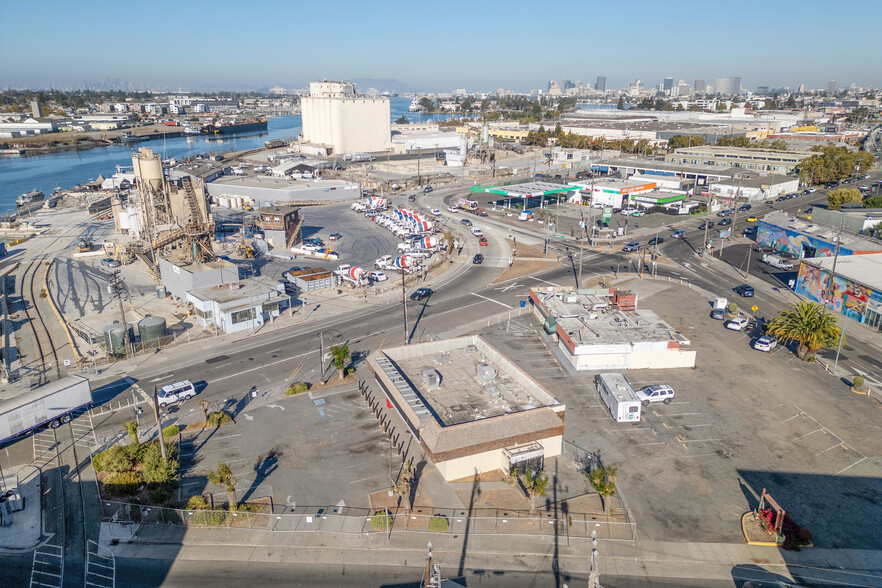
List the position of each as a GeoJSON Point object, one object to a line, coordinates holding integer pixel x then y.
{"type": "Point", "coordinates": [641, 559]}
{"type": "Point", "coordinates": [26, 529]}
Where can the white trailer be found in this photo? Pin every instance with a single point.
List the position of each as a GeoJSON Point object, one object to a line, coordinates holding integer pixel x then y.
{"type": "Point", "coordinates": [50, 405]}
{"type": "Point", "coordinates": [619, 397]}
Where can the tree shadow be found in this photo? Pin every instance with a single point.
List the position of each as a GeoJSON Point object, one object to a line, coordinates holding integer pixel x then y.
{"type": "Point", "coordinates": [265, 466]}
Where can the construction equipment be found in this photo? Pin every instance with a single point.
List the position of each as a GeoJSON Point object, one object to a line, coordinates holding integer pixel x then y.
{"type": "Point", "coordinates": [245, 251]}
{"type": "Point", "coordinates": [84, 245]}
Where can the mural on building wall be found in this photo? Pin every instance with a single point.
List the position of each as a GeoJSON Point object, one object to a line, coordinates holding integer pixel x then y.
{"type": "Point", "coordinates": [792, 242]}
{"type": "Point", "coordinates": [838, 294]}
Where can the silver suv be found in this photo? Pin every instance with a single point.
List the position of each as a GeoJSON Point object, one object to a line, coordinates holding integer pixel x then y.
{"type": "Point", "coordinates": [656, 393]}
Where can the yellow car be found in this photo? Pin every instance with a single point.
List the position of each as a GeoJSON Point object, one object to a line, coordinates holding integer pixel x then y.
{"type": "Point", "coordinates": [751, 219]}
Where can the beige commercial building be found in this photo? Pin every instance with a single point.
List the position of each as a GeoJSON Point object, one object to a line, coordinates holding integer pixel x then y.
{"type": "Point", "coordinates": [601, 329]}
{"type": "Point", "coordinates": [336, 117]}
{"type": "Point", "coordinates": [470, 408]}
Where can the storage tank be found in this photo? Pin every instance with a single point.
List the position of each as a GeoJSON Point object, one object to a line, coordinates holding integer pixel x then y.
{"type": "Point", "coordinates": [152, 329]}
{"type": "Point", "coordinates": [224, 201]}
{"type": "Point", "coordinates": [114, 337]}
{"type": "Point", "coordinates": [237, 201]}
{"type": "Point", "coordinates": [148, 166]}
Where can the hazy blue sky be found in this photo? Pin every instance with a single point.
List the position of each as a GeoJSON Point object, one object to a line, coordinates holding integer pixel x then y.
{"type": "Point", "coordinates": [477, 45]}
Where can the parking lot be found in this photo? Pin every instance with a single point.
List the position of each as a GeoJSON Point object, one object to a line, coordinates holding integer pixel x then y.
{"type": "Point", "coordinates": [742, 420]}
{"type": "Point", "coordinates": [332, 449]}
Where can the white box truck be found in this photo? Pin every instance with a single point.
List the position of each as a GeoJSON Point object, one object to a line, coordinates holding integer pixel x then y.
{"type": "Point", "coordinates": [619, 397]}
{"type": "Point", "coordinates": [50, 405]}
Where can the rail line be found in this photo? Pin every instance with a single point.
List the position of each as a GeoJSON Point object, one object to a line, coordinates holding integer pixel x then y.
{"type": "Point", "coordinates": [43, 344]}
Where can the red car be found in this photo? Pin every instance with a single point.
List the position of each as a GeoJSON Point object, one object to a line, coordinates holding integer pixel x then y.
{"type": "Point", "coordinates": [482, 241]}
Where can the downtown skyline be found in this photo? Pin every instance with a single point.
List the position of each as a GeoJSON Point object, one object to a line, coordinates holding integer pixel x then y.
{"type": "Point", "coordinates": [222, 45]}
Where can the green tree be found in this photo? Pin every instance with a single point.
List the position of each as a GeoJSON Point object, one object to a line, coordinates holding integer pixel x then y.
{"type": "Point", "coordinates": [536, 109]}
{"type": "Point", "coordinates": [876, 231]}
{"type": "Point", "coordinates": [808, 324]}
{"type": "Point", "coordinates": [485, 104]}
{"type": "Point", "coordinates": [873, 202]}
{"type": "Point", "coordinates": [721, 106]}
{"type": "Point", "coordinates": [621, 103]}
{"type": "Point", "coordinates": [341, 354]}
{"type": "Point", "coordinates": [427, 104]}
{"type": "Point", "coordinates": [836, 198]}
{"type": "Point", "coordinates": [534, 484]}
{"type": "Point", "coordinates": [603, 480]}
{"type": "Point", "coordinates": [466, 105]}
{"type": "Point", "coordinates": [401, 120]}
{"type": "Point", "coordinates": [791, 102]}
{"type": "Point", "coordinates": [132, 430]}
{"type": "Point", "coordinates": [223, 476]}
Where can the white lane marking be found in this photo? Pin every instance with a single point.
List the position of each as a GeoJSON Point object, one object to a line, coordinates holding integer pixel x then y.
{"type": "Point", "coordinates": [260, 367]}
{"type": "Point", "coordinates": [546, 281]}
{"type": "Point", "coordinates": [491, 300]}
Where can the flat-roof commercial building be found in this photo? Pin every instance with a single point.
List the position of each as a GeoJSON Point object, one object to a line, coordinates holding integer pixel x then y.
{"type": "Point", "coordinates": [613, 192]}
{"type": "Point", "coordinates": [470, 408]}
{"type": "Point", "coordinates": [754, 159]}
{"type": "Point", "coordinates": [240, 305]}
{"type": "Point", "coordinates": [267, 191]}
{"type": "Point", "coordinates": [855, 290]}
{"type": "Point", "coordinates": [601, 329]}
{"type": "Point", "coordinates": [802, 238]}
{"type": "Point", "coordinates": [754, 189]}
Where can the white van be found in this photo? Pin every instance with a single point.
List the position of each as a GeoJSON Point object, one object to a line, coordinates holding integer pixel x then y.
{"type": "Point", "coordinates": [619, 397]}
{"type": "Point", "coordinates": [177, 392]}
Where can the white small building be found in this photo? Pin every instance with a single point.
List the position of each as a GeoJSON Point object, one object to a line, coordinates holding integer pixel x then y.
{"type": "Point", "coordinates": [28, 127]}
{"type": "Point", "coordinates": [754, 189]}
{"type": "Point", "coordinates": [239, 306]}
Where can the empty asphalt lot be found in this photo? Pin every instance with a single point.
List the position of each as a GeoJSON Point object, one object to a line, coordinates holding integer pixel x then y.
{"type": "Point", "coordinates": [742, 421]}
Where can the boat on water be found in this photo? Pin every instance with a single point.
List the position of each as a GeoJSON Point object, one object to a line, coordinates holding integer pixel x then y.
{"type": "Point", "coordinates": [29, 198]}
{"type": "Point", "coordinates": [415, 106]}
{"type": "Point", "coordinates": [128, 137]}
{"type": "Point", "coordinates": [192, 130]}
{"type": "Point", "coordinates": [234, 127]}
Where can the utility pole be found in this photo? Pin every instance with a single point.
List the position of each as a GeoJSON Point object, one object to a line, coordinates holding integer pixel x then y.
{"type": "Point", "coordinates": [158, 425]}
{"type": "Point", "coordinates": [643, 260]}
{"type": "Point", "coordinates": [581, 243]}
{"type": "Point", "coordinates": [404, 303]}
{"type": "Point", "coordinates": [830, 287]}
{"type": "Point", "coordinates": [119, 287]}
{"type": "Point", "coordinates": [706, 221]}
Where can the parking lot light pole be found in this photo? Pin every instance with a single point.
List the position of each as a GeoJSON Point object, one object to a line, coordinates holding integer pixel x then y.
{"type": "Point", "coordinates": [158, 425]}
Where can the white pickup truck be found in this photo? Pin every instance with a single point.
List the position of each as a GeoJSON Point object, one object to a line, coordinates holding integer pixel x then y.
{"type": "Point", "coordinates": [777, 262]}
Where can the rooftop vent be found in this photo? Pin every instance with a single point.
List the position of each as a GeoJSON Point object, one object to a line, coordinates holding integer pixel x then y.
{"type": "Point", "coordinates": [486, 372]}
{"type": "Point", "coordinates": [431, 379]}
{"type": "Point", "coordinates": [442, 358]}
{"type": "Point", "coordinates": [471, 349]}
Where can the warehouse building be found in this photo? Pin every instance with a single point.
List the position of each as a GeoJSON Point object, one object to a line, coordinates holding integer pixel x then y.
{"type": "Point", "coordinates": [752, 159]}
{"type": "Point", "coordinates": [601, 329]}
{"type": "Point", "coordinates": [783, 232]}
{"type": "Point", "coordinates": [267, 191]}
{"type": "Point", "coordinates": [470, 408]}
{"type": "Point", "coordinates": [855, 290]}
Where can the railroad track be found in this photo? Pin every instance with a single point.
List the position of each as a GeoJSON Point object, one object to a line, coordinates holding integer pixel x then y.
{"type": "Point", "coordinates": [47, 356]}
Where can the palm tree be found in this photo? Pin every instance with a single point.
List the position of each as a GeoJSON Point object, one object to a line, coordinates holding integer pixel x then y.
{"type": "Point", "coordinates": [223, 476]}
{"type": "Point", "coordinates": [808, 324]}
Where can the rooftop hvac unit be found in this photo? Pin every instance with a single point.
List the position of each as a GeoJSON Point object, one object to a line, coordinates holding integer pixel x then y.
{"type": "Point", "coordinates": [471, 349]}
{"type": "Point", "coordinates": [431, 379]}
{"type": "Point", "coordinates": [572, 298]}
{"type": "Point", "coordinates": [486, 372]}
{"type": "Point", "coordinates": [442, 358]}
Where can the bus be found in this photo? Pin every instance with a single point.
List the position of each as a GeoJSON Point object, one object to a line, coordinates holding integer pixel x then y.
{"type": "Point", "coordinates": [467, 204]}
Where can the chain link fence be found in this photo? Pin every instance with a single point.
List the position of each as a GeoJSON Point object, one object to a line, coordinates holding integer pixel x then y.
{"type": "Point", "coordinates": [360, 521]}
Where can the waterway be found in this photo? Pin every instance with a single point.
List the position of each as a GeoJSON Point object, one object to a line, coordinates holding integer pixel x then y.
{"type": "Point", "coordinates": [66, 169]}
